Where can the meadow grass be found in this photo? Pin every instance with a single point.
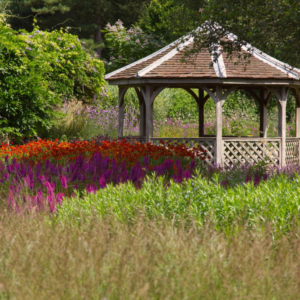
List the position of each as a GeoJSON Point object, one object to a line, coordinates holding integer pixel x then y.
{"type": "Point", "coordinates": [107, 259]}
{"type": "Point", "coordinates": [195, 240]}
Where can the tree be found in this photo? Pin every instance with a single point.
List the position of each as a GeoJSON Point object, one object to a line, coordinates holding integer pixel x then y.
{"type": "Point", "coordinates": [87, 18]}
{"type": "Point", "coordinates": [37, 71]}
{"type": "Point", "coordinates": [127, 46]}
{"type": "Point", "coordinates": [272, 26]}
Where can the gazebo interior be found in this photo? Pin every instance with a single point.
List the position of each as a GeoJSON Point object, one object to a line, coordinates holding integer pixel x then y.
{"type": "Point", "coordinates": [263, 77]}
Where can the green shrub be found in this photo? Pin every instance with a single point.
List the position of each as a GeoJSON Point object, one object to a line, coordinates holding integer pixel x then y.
{"type": "Point", "coordinates": [37, 71]}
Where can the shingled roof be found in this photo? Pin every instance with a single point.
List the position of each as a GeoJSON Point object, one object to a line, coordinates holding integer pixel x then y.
{"type": "Point", "coordinates": [168, 63]}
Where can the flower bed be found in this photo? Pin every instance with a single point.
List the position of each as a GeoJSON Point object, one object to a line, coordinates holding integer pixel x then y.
{"type": "Point", "coordinates": [121, 151]}
{"type": "Point", "coordinates": [39, 174]}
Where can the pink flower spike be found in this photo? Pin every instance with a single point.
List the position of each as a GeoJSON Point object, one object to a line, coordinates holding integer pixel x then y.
{"type": "Point", "coordinates": [64, 182]}
{"type": "Point", "coordinates": [60, 197]}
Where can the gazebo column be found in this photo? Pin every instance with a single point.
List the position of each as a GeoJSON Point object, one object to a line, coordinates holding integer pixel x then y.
{"type": "Point", "coordinates": [142, 112]}
{"type": "Point", "coordinates": [122, 92]}
{"type": "Point", "coordinates": [297, 129]}
{"type": "Point", "coordinates": [201, 103]}
{"type": "Point", "coordinates": [219, 124]}
{"type": "Point", "coordinates": [219, 99]}
{"type": "Point", "coordinates": [147, 91]}
{"type": "Point", "coordinates": [297, 96]}
{"type": "Point", "coordinates": [282, 97]}
{"type": "Point", "coordinates": [264, 100]}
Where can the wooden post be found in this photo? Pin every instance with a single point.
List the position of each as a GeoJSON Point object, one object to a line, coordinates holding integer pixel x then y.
{"type": "Point", "coordinates": [142, 117]}
{"type": "Point", "coordinates": [297, 129]}
{"type": "Point", "coordinates": [201, 103]}
{"type": "Point", "coordinates": [219, 124]}
{"type": "Point", "coordinates": [149, 112]}
{"type": "Point", "coordinates": [142, 112]}
{"type": "Point", "coordinates": [297, 96]}
{"type": "Point", "coordinates": [263, 114]}
{"type": "Point", "coordinates": [282, 97]}
{"type": "Point", "coordinates": [219, 100]}
{"type": "Point", "coordinates": [122, 92]}
{"type": "Point", "coordinates": [297, 125]}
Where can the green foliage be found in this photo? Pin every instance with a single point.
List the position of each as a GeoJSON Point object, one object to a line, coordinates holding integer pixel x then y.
{"type": "Point", "coordinates": [37, 71]}
{"type": "Point", "coordinates": [156, 19]}
{"type": "Point", "coordinates": [271, 26]}
{"type": "Point", "coordinates": [127, 46]}
{"type": "Point", "coordinates": [85, 18]}
{"type": "Point", "coordinates": [275, 202]}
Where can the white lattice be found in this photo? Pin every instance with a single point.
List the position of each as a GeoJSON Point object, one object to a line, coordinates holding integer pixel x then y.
{"type": "Point", "coordinates": [207, 145]}
{"type": "Point", "coordinates": [250, 152]}
{"type": "Point", "coordinates": [292, 152]}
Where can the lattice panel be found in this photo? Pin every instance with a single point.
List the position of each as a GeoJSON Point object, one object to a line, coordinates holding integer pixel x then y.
{"type": "Point", "coordinates": [208, 146]}
{"type": "Point", "coordinates": [250, 152]}
{"type": "Point", "coordinates": [292, 152]}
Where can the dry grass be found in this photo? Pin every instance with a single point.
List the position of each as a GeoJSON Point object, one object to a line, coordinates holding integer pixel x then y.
{"type": "Point", "coordinates": [109, 260]}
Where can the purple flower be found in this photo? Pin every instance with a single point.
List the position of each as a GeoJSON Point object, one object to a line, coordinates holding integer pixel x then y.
{"type": "Point", "coordinates": [59, 197]}
{"type": "Point", "coordinates": [187, 174]}
{"type": "Point", "coordinates": [27, 181]}
{"type": "Point", "coordinates": [6, 176]}
{"type": "Point", "coordinates": [102, 182]}
{"type": "Point", "coordinates": [64, 182]}
{"type": "Point", "coordinates": [248, 178]}
{"type": "Point", "coordinates": [146, 162]}
{"type": "Point", "coordinates": [256, 179]}
{"type": "Point", "coordinates": [192, 165]}
{"type": "Point", "coordinates": [265, 176]}
{"type": "Point", "coordinates": [224, 184]}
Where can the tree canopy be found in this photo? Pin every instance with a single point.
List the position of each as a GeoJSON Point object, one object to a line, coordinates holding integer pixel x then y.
{"type": "Point", "coordinates": [272, 26]}
{"type": "Point", "coordinates": [86, 18]}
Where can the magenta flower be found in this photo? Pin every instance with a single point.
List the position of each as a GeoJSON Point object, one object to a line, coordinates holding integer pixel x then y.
{"type": "Point", "coordinates": [102, 182]}
{"type": "Point", "coordinates": [64, 182]}
{"type": "Point", "coordinates": [60, 197]}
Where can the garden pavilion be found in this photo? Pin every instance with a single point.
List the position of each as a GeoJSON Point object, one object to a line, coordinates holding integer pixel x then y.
{"type": "Point", "coordinates": [263, 77]}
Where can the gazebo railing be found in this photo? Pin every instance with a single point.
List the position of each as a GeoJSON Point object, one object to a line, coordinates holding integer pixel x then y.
{"type": "Point", "coordinates": [251, 150]}
{"type": "Point", "coordinates": [207, 144]}
{"type": "Point", "coordinates": [292, 151]}
{"type": "Point", "coordinates": [243, 150]}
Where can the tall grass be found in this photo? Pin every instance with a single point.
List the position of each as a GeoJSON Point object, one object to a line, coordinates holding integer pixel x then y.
{"type": "Point", "coordinates": [275, 202]}
{"type": "Point", "coordinates": [110, 260]}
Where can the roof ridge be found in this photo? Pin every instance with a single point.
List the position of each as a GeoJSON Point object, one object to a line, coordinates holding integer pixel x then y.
{"type": "Point", "coordinates": [218, 63]}
{"type": "Point", "coordinates": [262, 56]}
{"type": "Point", "coordinates": [143, 59]}
{"type": "Point", "coordinates": [166, 57]}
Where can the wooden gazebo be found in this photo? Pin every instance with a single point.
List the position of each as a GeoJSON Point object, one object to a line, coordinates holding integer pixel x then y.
{"type": "Point", "coordinates": [263, 77]}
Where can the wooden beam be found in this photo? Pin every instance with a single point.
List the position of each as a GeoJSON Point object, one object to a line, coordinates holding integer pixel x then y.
{"type": "Point", "coordinates": [196, 82]}
{"type": "Point", "coordinates": [148, 92]}
{"type": "Point", "coordinates": [281, 95]}
{"type": "Point", "coordinates": [122, 92]}
{"type": "Point", "coordinates": [142, 112]}
{"type": "Point", "coordinates": [192, 93]}
{"type": "Point", "coordinates": [156, 92]}
{"type": "Point", "coordinates": [201, 103]}
{"type": "Point", "coordinates": [263, 103]}
{"type": "Point", "coordinates": [296, 93]}
{"type": "Point", "coordinates": [219, 147]}
{"type": "Point", "coordinates": [252, 93]}
{"type": "Point", "coordinates": [208, 96]}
